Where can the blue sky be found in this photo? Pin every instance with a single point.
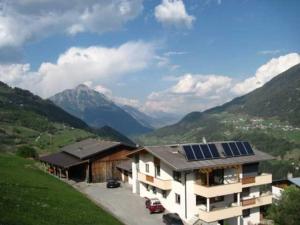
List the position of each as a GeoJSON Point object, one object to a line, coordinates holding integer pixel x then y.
{"type": "Point", "coordinates": [170, 55]}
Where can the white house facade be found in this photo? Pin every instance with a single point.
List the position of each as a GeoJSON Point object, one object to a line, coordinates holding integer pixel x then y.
{"type": "Point", "coordinates": [204, 183]}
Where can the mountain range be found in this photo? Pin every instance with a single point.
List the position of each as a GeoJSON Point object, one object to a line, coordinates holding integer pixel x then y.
{"type": "Point", "coordinates": [28, 119]}
{"type": "Point", "coordinates": [97, 110]}
{"type": "Point", "coordinates": [156, 120]}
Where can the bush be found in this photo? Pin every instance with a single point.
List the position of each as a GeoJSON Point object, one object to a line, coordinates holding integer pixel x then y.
{"type": "Point", "coordinates": [27, 152]}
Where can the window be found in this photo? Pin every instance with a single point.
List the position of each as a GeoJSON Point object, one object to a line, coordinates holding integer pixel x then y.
{"type": "Point", "coordinates": [177, 176]}
{"type": "Point", "coordinates": [148, 187]}
{"type": "Point", "coordinates": [164, 193]}
{"type": "Point", "coordinates": [154, 190]}
{"type": "Point", "coordinates": [246, 192]}
{"type": "Point", "coordinates": [217, 199]}
{"type": "Point", "coordinates": [147, 168]}
{"type": "Point", "coordinates": [157, 170]}
{"type": "Point", "coordinates": [200, 200]}
{"type": "Point", "coordinates": [177, 198]}
{"type": "Point", "coordinates": [246, 213]}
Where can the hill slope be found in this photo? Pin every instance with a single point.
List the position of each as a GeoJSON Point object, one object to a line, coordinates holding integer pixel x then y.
{"type": "Point", "coordinates": [269, 117]}
{"type": "Point", "coordinates": [97, 110]}
{"type": "Point", "coordinates": [27, 119]}
{"type": "Point", "coordinates": [30, 196]}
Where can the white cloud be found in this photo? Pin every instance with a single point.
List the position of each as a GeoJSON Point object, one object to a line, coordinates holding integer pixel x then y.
{"type": "Point", "coordinates": [266, 72]}
{"type": "Point", "coordinates": [116, 99]}
{"type": "Point", "coordinates": [173, 13]}
{"type": "Point", "coordinates": [77, 65]}
{"type": "Point", "coordinates": [191, 92]}
{"type": "Point", "coordinates": [24, 20]}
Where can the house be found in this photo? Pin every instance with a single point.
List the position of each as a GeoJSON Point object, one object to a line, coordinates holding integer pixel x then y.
{"type": "Point", "coordinates": [278, 186]}
{"type": "Point", "coordinates": [207, 183]}
{"type": "Point", "coordinates": [92, 160]}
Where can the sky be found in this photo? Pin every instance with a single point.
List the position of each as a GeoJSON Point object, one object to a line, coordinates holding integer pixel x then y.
{"type": "Point", "coordinates": [156, 55]}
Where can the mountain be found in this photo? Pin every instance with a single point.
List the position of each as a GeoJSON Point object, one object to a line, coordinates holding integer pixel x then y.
{"type": "Point", "coordinates": [269, 117]}
{"type": "Point", "coordinates": [97, 110]}
{"type": "Point", "coordinates": [27, 119]}
{"type": "Point", "coordinates": [155, 120]}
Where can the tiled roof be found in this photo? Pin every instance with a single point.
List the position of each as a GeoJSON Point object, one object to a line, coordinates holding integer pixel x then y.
{"type": "Point", "coordinates": [175, 157]}
{"type": "Point", "coordinates": [61, 159]}
{"type": "Point", "coordinates": [89, 147]}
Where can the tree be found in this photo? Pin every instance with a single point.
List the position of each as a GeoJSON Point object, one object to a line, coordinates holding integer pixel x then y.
{"type": "Point", "coordinates": [286, 210]}
{"type": "Point", "coordinates": [27, 152]}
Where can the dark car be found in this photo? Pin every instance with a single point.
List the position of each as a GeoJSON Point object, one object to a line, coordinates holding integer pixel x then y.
{"type": "Point", "coordinates": [172, 219]}
{"type": "Point", "coordinates": [113, 183]}
{"type": "Point", "coordinates": [154, 205]}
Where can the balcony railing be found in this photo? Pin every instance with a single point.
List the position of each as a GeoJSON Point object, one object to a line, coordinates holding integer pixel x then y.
{"type": "Point", "coordinates": [257, 180]}
{"type": "Point", "coordinates": [247, 202]}
{"type": "Point", "coordinates": [218, 190]}
{"type": "Point", "coordinates": [220, 213]}
{"type": "Point", "coordinates": [264, 199]}
{"type": "Point", "coordinates": [153, 181]}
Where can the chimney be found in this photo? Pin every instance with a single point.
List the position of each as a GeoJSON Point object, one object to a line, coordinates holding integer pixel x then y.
{"type": "Point", "coordinates": [204, 140]}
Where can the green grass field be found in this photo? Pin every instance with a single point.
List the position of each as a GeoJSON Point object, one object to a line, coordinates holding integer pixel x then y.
{"type": "Point", "coordinates": [28, 196]}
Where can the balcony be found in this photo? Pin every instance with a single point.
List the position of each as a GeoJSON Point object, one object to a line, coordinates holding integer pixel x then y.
{"type": "Point", "coordinates": [256, 180]}
{"type": "Point", "coordinates": [264, 199]}
{"type": "Point", "coordinates": [220, 213]}
{"type": "Point", "coordinates": [218, 190]}
{"type": "Point", "coordinates": [153, 181]}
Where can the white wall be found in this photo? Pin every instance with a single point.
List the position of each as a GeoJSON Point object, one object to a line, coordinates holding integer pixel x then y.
{"type": "Point", "coordinates": [276, 192]}
{"type": "Point", "coordinates": [254, 217]}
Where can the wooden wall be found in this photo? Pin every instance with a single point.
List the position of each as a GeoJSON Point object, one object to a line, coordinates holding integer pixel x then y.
{"type": "Point", "coordinates": [104, 166]}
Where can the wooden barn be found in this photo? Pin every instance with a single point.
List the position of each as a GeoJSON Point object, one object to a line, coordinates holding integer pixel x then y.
{"type": "Point", "coordinates": [92, 160]}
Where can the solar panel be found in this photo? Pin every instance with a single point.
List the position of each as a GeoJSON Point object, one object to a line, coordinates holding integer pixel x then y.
{"type": "Point", "coordinates": [189, 152]}
{"type": "Point", "coordinates": [214, 150]}
{"type": "Point", "coordinates": [227, 150]}
{"type": "Point", "coordinates": [198, 153]}
{"type": "Point", "coordinates": [234, 149]}
{"type": "Point", "coordinates": [242, 148]}
{"type": "Point", "coordinates": [206, 151]}
{"type": "Point", "coordinates": [248, 148]}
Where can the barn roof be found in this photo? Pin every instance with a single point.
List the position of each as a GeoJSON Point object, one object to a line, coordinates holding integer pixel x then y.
{"type": "Point", "coordinates": [90, 147]}
{"type": "Point", "coordinates": [61, 159]}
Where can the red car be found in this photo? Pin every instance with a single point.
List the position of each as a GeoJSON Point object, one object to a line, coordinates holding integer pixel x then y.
{"type": "Point", "coordinates": [154, 205]}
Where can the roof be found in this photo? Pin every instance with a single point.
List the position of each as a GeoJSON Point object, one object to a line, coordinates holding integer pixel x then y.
{"type": "Point", "coordinates": [61, 159]}
{"type": "Point", "coordinates": [90, 147]}
{"type": "Point", "coordinates": [125, 165]}
{"type": "Point", "coordinates": [295, 181]}
{"type": "Point", "coordinates": [174, 157]}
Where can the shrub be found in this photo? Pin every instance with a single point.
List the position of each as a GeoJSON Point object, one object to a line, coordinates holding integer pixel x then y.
{"type": "Point", "coordinates": [27, 152]}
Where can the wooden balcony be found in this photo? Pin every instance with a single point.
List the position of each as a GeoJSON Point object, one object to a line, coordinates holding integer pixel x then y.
{"type": "Point", "coordinates": [247, 202]}
{"type": "Point", "coordinates": [153, 181]}
{"type": "Point", "coordinates": [257, 180]}
{"type": "Point", "coordinates": [220, 213]}
{"type": "Point", "coordinates": [218, 190]}
{"type": "Point", "coordinates": [265, 199]}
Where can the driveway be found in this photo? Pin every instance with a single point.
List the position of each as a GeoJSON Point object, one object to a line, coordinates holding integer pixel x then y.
{"type": "Point", "coordinates": [120, 202]}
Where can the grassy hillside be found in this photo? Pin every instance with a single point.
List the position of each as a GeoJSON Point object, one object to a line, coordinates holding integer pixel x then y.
{"type": "Point", "coordinates": [268, 117]}
{"type": "Point", "coordinates": [29, 196]}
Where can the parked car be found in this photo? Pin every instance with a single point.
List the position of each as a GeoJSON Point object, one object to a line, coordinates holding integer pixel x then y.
{"type": "Point", "coordinates": [154, 205]}
{"type": "Point", "coordinates": [113, 183]}
{"type": "Point", "coordinates": [172, 219]}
